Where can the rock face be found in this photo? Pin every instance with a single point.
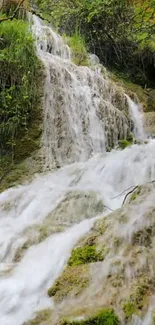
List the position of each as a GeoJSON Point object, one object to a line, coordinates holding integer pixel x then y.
{"type": "Point", "coordinates": [124, 277]}
{"type": "Point", "coordinates": [149, 119]}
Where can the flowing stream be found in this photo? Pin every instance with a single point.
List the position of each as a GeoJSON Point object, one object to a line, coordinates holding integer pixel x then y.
{"type": "Point", "coordinates": [86, 186]}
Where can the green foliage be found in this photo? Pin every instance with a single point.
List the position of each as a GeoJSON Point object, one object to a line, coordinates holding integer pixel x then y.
{"type": "Point", "coordinates": [84, 255]}
{"type": "Point", "coordinates": [120, 32]}
{"type": "Point", "coordinates": [124, 143]}
{"type": "Point", "coordinates": [79, 51]}
{"type": "Point", "coordinates": [20, 73]}
{"type": "Point", "coordinates": [104, 317]}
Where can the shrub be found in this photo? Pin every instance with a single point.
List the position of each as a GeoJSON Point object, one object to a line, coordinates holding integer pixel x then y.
{"type": "Point", "coordinates": [20, 75]}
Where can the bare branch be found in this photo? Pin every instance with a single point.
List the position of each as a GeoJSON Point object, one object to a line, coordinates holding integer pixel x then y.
{"type": "Point", "coordinates": [129, 194]}
{"type": "Point", "coordinates": [119, 195]}
{"type": "Point", "coordinates": [14, 14]}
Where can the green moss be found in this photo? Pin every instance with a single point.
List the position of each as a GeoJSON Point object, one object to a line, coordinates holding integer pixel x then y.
{"type": "Point", "coordinates": [138, 298]}
{"type": "Point", "coordinates": [72, 280]}
{"type": "Point", "coordinates": [104, 317]}
{"type": "Point", "coordinates": [135, 194]}
{"type": "Point", "coordinates": [124, 143]}
{"type": "Point", "coordinates": [100, 227]}
{"type": "Point", "coordinates": [42, 316]}
{"type": "Point", "coordinates": [133, 197]}
{"type": "Point", "coordinates": [129, 309]}
{"type": "Point", "coordinates": [12, 176]}
{"type": "Point", "coordinates": [84, 255]}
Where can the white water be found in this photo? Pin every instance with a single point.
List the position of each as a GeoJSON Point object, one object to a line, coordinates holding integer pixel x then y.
{"type": "Point", "coordinates": [23, 285]}
{"type": "Point", "coordinates": [24, 290]}
{"type": "Point", "coordinates": [137, 116]}
{"type": "Point", "coordinates": [84, 112]}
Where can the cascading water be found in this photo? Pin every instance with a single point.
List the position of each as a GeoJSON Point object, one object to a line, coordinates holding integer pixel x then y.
{"type": "Point", "coordinates": [80, 120]}
{"type": "Point", "coordinates": [84, 112]}
{"type": "Point", "coordinates": [137, 116]}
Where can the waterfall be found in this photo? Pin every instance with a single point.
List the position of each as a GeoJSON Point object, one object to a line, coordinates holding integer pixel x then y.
{"type": "Point", "coordinates": [83, 114]}
{"type": "Point", "coordinates": [137, 116]}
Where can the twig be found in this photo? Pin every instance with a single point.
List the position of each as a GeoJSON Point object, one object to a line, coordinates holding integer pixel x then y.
{"type": "Point", "coordinates": [108, 208]}
{"type": "Point", "coordinates": [115, 197]}
{"type": "Point", "coordinates": [150, 182]}
{"type": "Point", "coordinates": [129, 194]}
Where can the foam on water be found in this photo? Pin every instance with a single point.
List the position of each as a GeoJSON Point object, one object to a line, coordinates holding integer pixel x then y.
{"type": "Point", "coordinates": [24, 289]}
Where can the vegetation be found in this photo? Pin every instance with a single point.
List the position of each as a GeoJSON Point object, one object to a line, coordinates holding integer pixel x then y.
{"type": "Point", "coordinates": [129, 309]}
{"type": "Point", "coordinates": [84, 255]}
{"type": "Point", "coordinates": [78, 47]}
{"type": "Point", "coordinates": [21, 80]}
{"type": "Point", "coordinates": [120, 32]}
{"type": "Point", "coordinates": [19, 76]}
{"type": "Point", "coordinates": [138, 298]}
{"type": "Point", "coordinates": [42, 316]}
{"type": "Point", "coordinates": [124, 143]}
{"type": "Point", "coordinates": [104, 317]}
{"type": "Point", "coordinates": [73, 280]}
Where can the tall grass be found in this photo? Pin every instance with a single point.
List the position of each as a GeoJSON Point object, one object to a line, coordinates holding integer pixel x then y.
{"type": "Point", "coordinates": [20, 72]}
{"type": "Point", "coordinates": [79, 50]}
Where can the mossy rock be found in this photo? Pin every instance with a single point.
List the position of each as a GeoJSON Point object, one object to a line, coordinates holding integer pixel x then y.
{"type": "Point", "coordinates": [41, 317]}
{"type": "Point", "coordinates": [144, 237]}
{"type": "Point", "coordinates": [151, 101]}
{"type": "Point", "coordinates": [139, 297]}
{"type": "Point", "coordinates": [72, 282]}
{"type": "Point", "coordinates": [14, 175]}
{"type": "Point", "coordinates": [129, 309]}
{"type": "Point", "coordinates": [124, 143]}
{"type": "Point", "coordinates": [36, 234]}
{"type": "Point", "coordinates": [149, 123]}
{"type": "Point", "coordinates": [15, 170]}
{"type": "Point", "coordinates": [103, 317]}
{"type": "Point", "coordinates": [135, 194]}
{"type": "Point", "coordinates": [136, 92]}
